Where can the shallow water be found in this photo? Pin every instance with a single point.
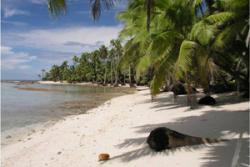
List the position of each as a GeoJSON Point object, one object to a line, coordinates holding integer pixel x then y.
{"type": "Point", "coordinates": [25, 105]}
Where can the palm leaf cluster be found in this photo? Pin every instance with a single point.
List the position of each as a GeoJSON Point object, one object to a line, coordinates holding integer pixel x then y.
{"type": "Point", "coordinates": [184, 45]}
{"type": "Point", "coordinates": [199, 41]}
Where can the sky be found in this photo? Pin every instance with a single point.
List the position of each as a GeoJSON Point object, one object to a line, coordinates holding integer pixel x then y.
{"type": "Point", "coordinates": [32, 39]}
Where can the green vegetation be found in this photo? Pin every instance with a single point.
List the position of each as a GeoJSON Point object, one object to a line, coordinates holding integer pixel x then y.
{"type": "Point", "coordinates": [101, 66]}
{"type": "Point", "coordinates": [203, 43]}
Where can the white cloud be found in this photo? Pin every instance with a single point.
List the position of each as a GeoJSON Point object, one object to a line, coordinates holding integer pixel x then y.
{"type": "Point", "coordinates": [50, 46]}
{"type": "Point", "coordinates": [14, 60]}
{"type": "Point", "coordinates": [39, 1]}
{"type": "Point", "coordinates": [9, 12]}
{"type": "Point", "coordinates": [14, 23]}
{"type": "Point", "coordinates": [5, 50]}
{"type": "Point", "coordinates": [73, 39]}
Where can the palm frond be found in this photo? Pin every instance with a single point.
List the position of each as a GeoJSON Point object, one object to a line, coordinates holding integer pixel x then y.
{"type": "Point", "coordinates": [98, 5]}
{"type": "Point", "coordinates": [162, 70]}
{"type": "Point", "coordinates": [56, 7]}
{"type": "Point", "coordinates": [131, 54]}
{"type": "Point", "coordinates": [236, 6]}
{"type": "Point", "coordinates": [203, 33]}
{"type": "Point", "coordinates": [185, 58]}
{"type": "Point", "coordinates": [227, 37]}
{"type": "Point", "coordinates": [221, 17]}
{"type": "Point", "coordinates": [95, 8]}
{"type": "Point", "coordinates": [142, 66]}
{"type": "Point", "coordinates": [164, 67]}
{"type": "Point", "coordinates": [203, 67]}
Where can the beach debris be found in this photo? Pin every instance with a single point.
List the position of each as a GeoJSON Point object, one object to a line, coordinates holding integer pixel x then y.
{"type": "Point", "coordinates": [163, 138]}
{"type": "Point", "coordinates": [207, 100]}
{"type": "Point", "coordinates": [59, 152]}
{"type": "Point", "coordinates": [103, 157]}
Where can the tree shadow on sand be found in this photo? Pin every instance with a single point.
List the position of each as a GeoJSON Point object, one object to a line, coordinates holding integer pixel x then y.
{"type": "Point", "coordinates": [212, 124]}
{"type": "Point", "coordinates": [165, 102]}
{"type": "Point", "coordinates": [223, 155]}
{"type": "Point", "coordinates": [146, 151]}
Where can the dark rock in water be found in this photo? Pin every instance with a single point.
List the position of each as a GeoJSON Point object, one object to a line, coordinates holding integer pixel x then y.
{"type": "Point", "coordinates": [158, 139]}
{"type": "Point", "coordinates": [178, 89]}
{"type": "Point", "coordinates": [207, 100]}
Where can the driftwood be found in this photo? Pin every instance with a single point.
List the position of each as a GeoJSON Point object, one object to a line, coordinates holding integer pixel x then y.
{"type": "Point", "coordinates": [163, 138]}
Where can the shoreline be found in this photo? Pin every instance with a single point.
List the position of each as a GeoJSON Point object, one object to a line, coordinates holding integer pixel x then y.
{"type": "Point", "coordinates": [78, 83]}
{"type": "Point", "coordinates": [120, 127]}
{"type": "Point", "coordinates": [18, 134]}
{"type": "Point", "coordinates": [21, 82]}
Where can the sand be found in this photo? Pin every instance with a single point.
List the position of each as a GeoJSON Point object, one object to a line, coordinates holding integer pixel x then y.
{"type": "Point", "coordinates": [120, 127]}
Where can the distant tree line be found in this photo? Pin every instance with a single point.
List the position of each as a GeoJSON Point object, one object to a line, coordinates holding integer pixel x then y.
{"type": "Point", "coordinates": [103, 66]}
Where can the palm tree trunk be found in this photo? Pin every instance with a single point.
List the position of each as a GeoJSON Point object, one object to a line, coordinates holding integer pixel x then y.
{"type": "Point", "coordinates": [189, 91]}
{"type": "Point", "coordinates": [111, 70]}
{"type": "Point", "coordinates": [238, 87]}
{"type": "Point", "coordinates": [124, 78]}
{"type": "Point", "coordinates": [116, 71]}
{"type": "Point", "coordinates": [105, 75]}
{"type": "Point", "coordinates": [129, 75]}
{"type": "Point", "coordinates": [95, 74]}
{"type": "Point", "coordinates": [116, 78]}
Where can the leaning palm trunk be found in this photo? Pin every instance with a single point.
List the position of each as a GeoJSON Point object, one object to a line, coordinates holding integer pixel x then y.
{"type": "Point", "coordinates": [238, 78]}
{"type": "Point", "coordinates": [190, 98]}
{"type": "Point", "coordinates": [116, 71]}
{"type": "Point", "coordinates": [105, 75]}
{"type": "Point", "coordinates": [124, 79]}
{"type": "Point", "coordinates": [130, 77]}
{"type": "Point", "coordinates": [111, 70]}
{"type": "Point", "coordinates": [116, 77]}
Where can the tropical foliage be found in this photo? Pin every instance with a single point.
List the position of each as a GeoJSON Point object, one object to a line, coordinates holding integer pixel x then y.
{"type": "Point", "coordinates": [201, 42]}
{"type": "Point", "coordinates": [195, 41]}
{"type": "Point", "coordinates": [99, 66]}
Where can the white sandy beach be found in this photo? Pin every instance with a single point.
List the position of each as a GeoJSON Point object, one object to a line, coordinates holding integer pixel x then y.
{"type": "Point", "coordinates": [120, 127]}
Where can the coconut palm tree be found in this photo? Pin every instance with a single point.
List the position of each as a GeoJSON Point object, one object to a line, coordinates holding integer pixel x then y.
{"type": "Point", "coordinates": [103, 50]}
{"type": "Point", "coordinates": [116, 54]}
{"type": "Point", "coordinates": [159, 48]}
{"type": "Point", "coordinates": [218, 38]}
